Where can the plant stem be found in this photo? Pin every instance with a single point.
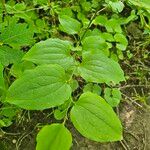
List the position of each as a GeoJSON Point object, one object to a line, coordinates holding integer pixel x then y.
{"type": "Point", "coordinates": [3, 3]}
{"type": "Point", "coordinates": [90, 23]}
{"type": "Point", "coordinates": [5, 10]}
{"type": "Point", "coordinates": [66, 117]}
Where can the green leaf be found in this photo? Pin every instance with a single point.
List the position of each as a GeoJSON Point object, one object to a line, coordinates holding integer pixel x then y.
{"type": "Point", "coordinates": [86, 6]}
{"type": "Point", "coordinates": [100, 20]}
{"type": "Point", "coordinates": [16, 35]}
{"type": "Point", "coordinates": [51, 51]}
{"type": "Point", "coordinates": [95, 119]}
{"type": "Point", "coordinates": [96, 67]}
{"type": "Point", "coordinates": [116, 6]}
{"type": "Point", "coordinates": [89, 44]}
{"type": "Point", "coordinates": [114, 56]}
{"type": "Point", "coordinates": [40, 88]}
{"type": "Point", "coordinates": [128, 19]}
{"type": "Point", "coordinates": [2, 123]}
{"type": "Point", "coordinates": [54, 137]}
{"type": "Point", "coordinates": [61, 111]}
{"type": "Point", "coordinates": [112, 96]}
{"type": "Point", "coordinates": [69, 25]}
{"type": "Point", "coordinates": [8, 111]}
{"type": "Point", "coordinates": [40, 2]}
{"type": "Point", "coordinates": [6, 122]}
{"type": "Point", "coordinates": [94, 88]}
{"type": "Point", "coordinates": [122, 41]}
{"type": "Point", "coordinates": [113, 25]}
{"type": "Point", "coordinates": [20, 6]}
{"type": "Point", "coordinates": [108, 37]}
{"type": "Point", "coordinates": [83, 18]}
{"type": "Point", "coordinates": [74, 84]}
{"type": "Point", "coordinates": [66, 11]}
{"type": "Point", "coordinates": [59, 115]}
{"type": "Point", "coordinates": [120, 54]}
{"type": "Point", "coordinates": [94, 32]}
{"type": "Point", "coordinates": [9, 55]}
{"type": "Point", "coordinates": [144, 4]}
{"type": "Point", "coordinates": [18, 68]}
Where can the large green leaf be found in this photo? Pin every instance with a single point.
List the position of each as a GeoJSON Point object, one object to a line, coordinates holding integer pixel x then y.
{"type": "Point", "coordinates": [69, 25]}
{"type": "Point", "coordinates": [54, 137]}
{"type": "Point", "coordinates": [51, 51]}
{"type": "Point", "coordinates": [95, 119]}
{"type": "Point", "coordinates": [9, 55]}
{"type": "Point", "coordinates": [40, 88]}
{"type": "Point", "coordinates": [17, 34]}
{"type": "Point", "coordinates": [96, 67]}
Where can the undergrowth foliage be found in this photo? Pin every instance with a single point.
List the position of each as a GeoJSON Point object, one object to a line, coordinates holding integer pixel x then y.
{"type": "Point", "coordinates": [67, 60]}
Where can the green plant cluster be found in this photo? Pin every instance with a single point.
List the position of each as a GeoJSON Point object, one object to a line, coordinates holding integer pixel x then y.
{"type": "Point", "coordinates": [64, 55]}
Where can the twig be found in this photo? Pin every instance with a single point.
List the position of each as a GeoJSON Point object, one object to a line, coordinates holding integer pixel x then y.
{"type": "Point", "coordinates": [117, 109]}
{"type": "Point", "coordinates": [131, 86]}
{"type": "Point", "coordinates": [123, 145]}
{"type": "Point", "coordinates": [8, 133]}
{"type": "Point", "coordinates": [132, 135]}
{"type": "Point", "coordinates": [144, 139]}
{"type": "Point", "coordinates": [22, 117]}
{"type": "Point", "coordinates": [132, 100]}
{"type": "Point", "coordinates": [22, 137]}
{"type": "Point", "coordinates": [18, 143]}
{"type": "Point", "coordinates": [126, 144]}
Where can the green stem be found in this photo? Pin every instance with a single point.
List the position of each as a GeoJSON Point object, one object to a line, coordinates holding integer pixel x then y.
{"type": "Point", "coordinates": [5, 10]}
{"type": "Point", "coordinates": [3, 3]}
{"type": "Point", "coordinates": [66, 116]}
{"type": "Point", "coordinates": [90, 23]}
